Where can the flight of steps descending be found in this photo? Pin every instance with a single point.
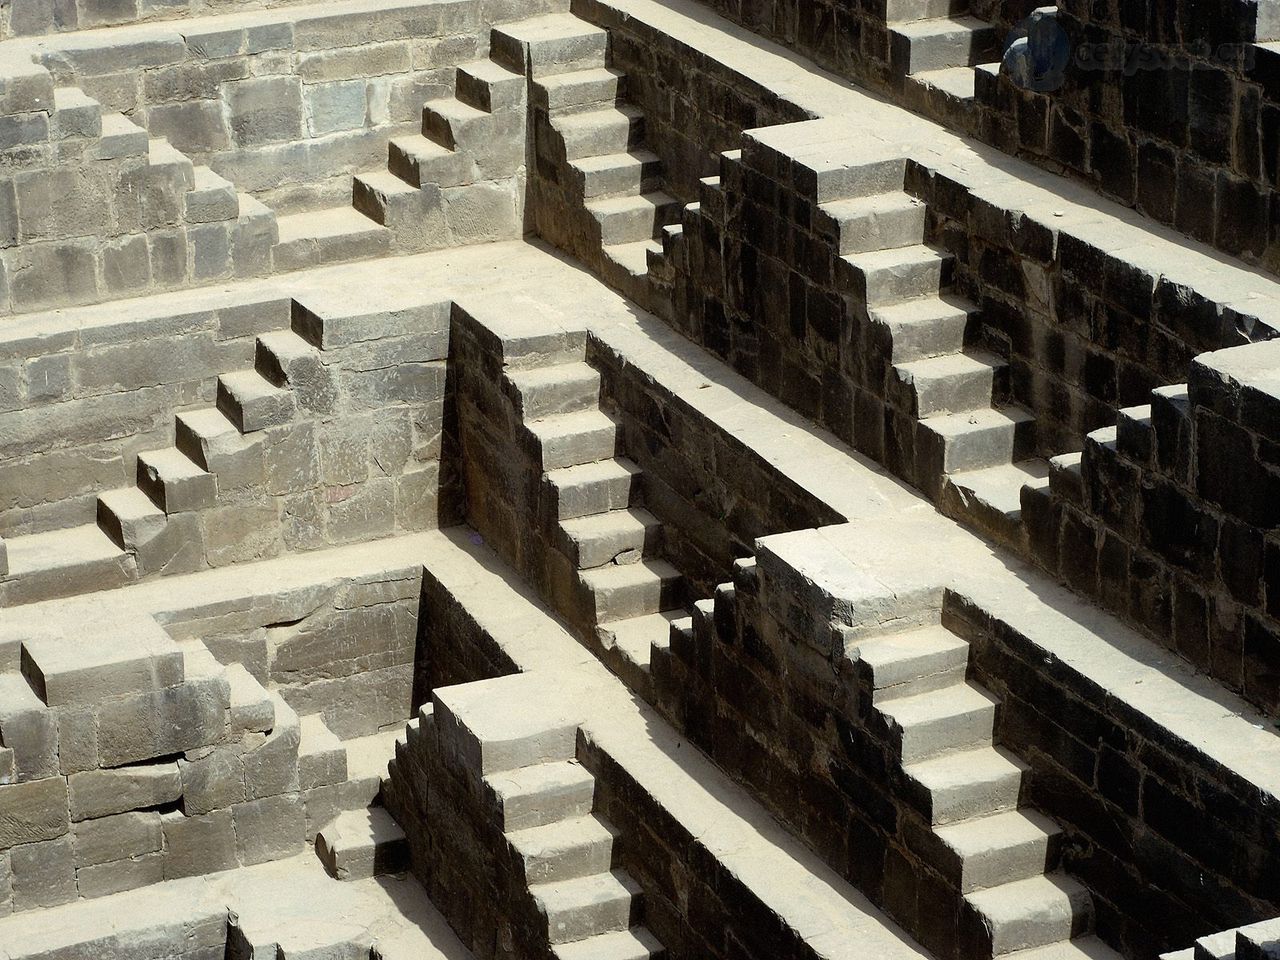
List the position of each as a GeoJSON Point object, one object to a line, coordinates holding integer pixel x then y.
{"type": "Point", "coordinates": [973, 451]}
{"type": "Point", "coordinates": [147, 528]}
{"type": "Point", "coordinates": [594, 139]}
{"type": "Point", "coordinates": [936, 46]}
{"type": "Point", "coordinates": [624, 591]}
{"type": "Point", "coordinates": [477, 134]}
{"type": "Point", "coordinates": [1254, 941]}
{"type": "Point", "coordinates": [962, 793]}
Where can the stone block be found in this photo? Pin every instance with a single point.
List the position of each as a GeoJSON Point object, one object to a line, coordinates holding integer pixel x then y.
{"type": "Point", "coordinates": [112, 658]}
{"type": "Point", "coordinates": [102, 793]}
{"type": "Point", "coordinates": [210, 246]}
{"type": "Point", "coordinates": [212, 779]}
{"type": "Point", "coordinates": [293, 463]}
{"type": "Point", "coordinates": [28, 728]}
{"type": "Point", "coordinates": [44, 874]}
{"type": "Point", "coordinates": [264, 110]}
{"type": "Point", "coordinates": [198, 845]}
{"type": "Point", "coordinates": [195, 127]}
{"type": "Point", "coordinates": [117, 876]}
{"type": "Point", "coordinates": [271, 760]}
{"type": "Point", "coordinates": [77, 739]}
{"type": "Point", "coordinates": [126, 265]}
{"type": "Point", "coordinates": [33, 811]}
{"type": "Point", "coordinates": [335, 106]}
{"type": "Point", "coordinates": [362, 511]}
{"type": "Point", "coordinates": [117, 837]}
{"type": "Point", "coordinates": [168, 257]}
{"type": "Point", "coordinates": [270, 829]}
{"type": "Point", "coordinates": [163, 722]}
{"type": "Point", "coordinates": [418, 499]}
{"type": "Point", "coordinates": [53, 274]}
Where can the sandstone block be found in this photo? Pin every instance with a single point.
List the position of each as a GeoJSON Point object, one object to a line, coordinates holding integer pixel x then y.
{"type": "Point", "coordinates": [117, 837]}
{"type": "Point", "coordinates": [164, 722]}
{"type": "Point", "coordinates": [110, 660]}
{"type": "Point", "coordinates": [269, 829]}
{"type": "Point", "coordinates": [28, 728]}
{"type": "Point", "coordinates": [198, 845]}
{"type": "Point", "coordinates": [33, 811]}
{"type": "Point", "coordinates": [101, 793]}
{"type": "Point", "coordinates": [271, 763]}
{"type": "Point", "coordinates": [335, 106]}
{"type": "Point", "coordinates": [116, 876]}
{"type": "Point", "coordinates": [44, 874]}
{"type": "Point", "coordinates": [264, 110]}
{"type": "Point", "coordinates": [77, 739]}
{"type": "Point", "coordinates": [212, 779]}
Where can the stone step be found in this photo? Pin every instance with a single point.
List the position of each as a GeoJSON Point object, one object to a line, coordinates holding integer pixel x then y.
{"type": "Point", "coordinates": [950, 85]}
{"type": "Point", "coordinates": [593, 488]}
{"type": "Point", "coordinates": [915, 661]}
{"type": "Point", "coordinates": [63, 563]}
{"type": "Point", "coordinates": [253, 403]}
{"type": "Point", "coordinates": [452, 123]}
{"type": "Point", "coordinates": [174, 483]}
{"type": "Point", "coordinates": [941, 721]}
{"type": "Point", "coordinates": [488, 86]}
{"type": "Point", "coordinates": [211, 199]}
{"type": "Point", "coordinates": [565, 850]}
{"type": "Point", "coordinates": [997, 849]}
{"type": "Point", "coordinates": [322, 759]}
{"type": "Point", "coordinates": [957, 442]}
{"type": "Point", "coordinates": [166, 160]}
{"type": "Point", "coordinates": [629, 219]}
{"type": "Point", "coordinates": [378, 195]}
{"type": "Point", "coordinates": [279, 356]}
{"type": "Point", "coordinates": [939, 43]}
{"type": "Point", "coordinates": [991, 499]}
{"type": "Point", "coordinates": [360, 844]}
{"type": "Point", "coordinates": [634, 639]}
{"type": "Point", "coordinates": [129, 517]}
{"type": "Point", "coordinates": [419, 161]}
{"type": "Point", "coordinates": [951, 383]}
{"type": "Point", "coordinates": [579, 90]}
{"type": "Point", "coordinates": [637, 943]}
{"type": "Point", "coordinates": [121, 137]}
{"type": "Point", "coordinates": [620, 592]}
{"type": "Point", "coordinates": [593, 133]}
{"type": "Point", "coordinates": [1082, 948]}
{"type": "Point", "coordinates": [334, 235]}
{"type": "Point", "coordinates": [211, 441]}
{"type": "Point", "coordinates": [550, 44]}
{"type": "Point", "coordinates": [626, 265]}
{"type": "Point", "coordinates": [251, 708]}
{"type": "Point", "coordinates": [588, 906]}
{"type": "Point", "coordinates": [542, 794]}
{"type": "Point", "coordinates": [903, 273]}
{"type": "Point", "coordinates": [621, 536]}
{"type": "Point", "coordinates": [1029, 913]}
{"type": "Point", "coordinates": [614, 174]}
{"type": "Point", "coordinates": [900, 11]}
{"type": "Point", "coordinates": [927, 327]}
{"type": "Point", "coordinates": [572, 439]}
{"type": "Point", "coordinates": [968, 783]}
{"type": "Point", "coordinates": [876, 222]}
{"type": "Point", "coordinates": [1215, 946]}
{"type": "Point", "coordinates": [557, 389]}
{"type": "Point", "coordinates": [75, 114]}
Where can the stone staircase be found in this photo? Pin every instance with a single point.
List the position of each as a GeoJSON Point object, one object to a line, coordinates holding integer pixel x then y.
{"type": "Point", "coordinates": [1254, 941]}
{"type": "Point", "coordinates": [151, 527]}
{"type": "Point", "coordinates": [998, 856]}
{"type": "Point", "coordinates": [359, 844]}
{"type": "Point", "coordinates": [936, 47]}
{"type": "Point", "coordinates": [973, 450]}
{"type": "Point", "coordinates": [478, 134]}
{"type": "Point", "coordinates": [624, 591]}
{"type": "Point", "coordinates": [610, 185]}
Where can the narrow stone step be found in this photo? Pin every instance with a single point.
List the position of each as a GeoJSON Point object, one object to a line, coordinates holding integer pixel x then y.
{"type": "Point", "coordinates": [1216, 946]}
{"type": "Point", "coordinates": [76, 114]}
{"type": "Point", "coordinates": [1030, 913]}
{"type": "Point", "coordinates": [63, 563]}
{"type": "Point", "coordinates": [637, 943]}
{"type": "Point", "coordinates": [633, 258]}
{"type": "Point", "coordinates": [617, 536]}
{"type": "Point", "coordinates": [991, 499]}
{"type": "Point", "coordinates": [572, 439]}
{"type": "Point", "coordinates": [488, 86]}
{"type": "Point", "coordinates": [937, 44]}
{"type": "Point", "coordinates": [322, 759]}
{"type": "Point", "coordinates": [620, 592]}
{"type": "Point", "coordinates": [998, 849]}
{"type": "Point", "coordinates": [336, 235]}
{"type": "Point", "coordinates": [211, 199]}
{"type": "Point", "coordinates": [967, 783]}
{"type": "Point", "coordinates": [449, 122]}
{"type": "Point", "coordinates": [581, 89]}
{"type": "Point", "coordinates": [915, 661]}
{"type": "Point", "coordinates": [902, 273]}
{"type": "Point", "coordinates": [556, 389]}
{"type": "Point", "coordinates": [359, 844]}
{"type": "Point", "coordinates": [565, 850]}
{"type": "Point", "coordinates": [593, 488]}
{"type": "Point", "coordinates": [951, 383]}
{"type": "Point", "coordinates": [949, 719]}
{"type": "Point", "coordinates": [174, 483]}
{"type": "Point", "coordinates": [877, 222]}
{"type": "Point", "coordinates": [973, 440]}
{"type": "Point", "coordinates": [419, 161]}
{"type": "Point", "coordinates": [596, 132]}
{"type": "Point", "coordinates": [614, 174]}
{"type": "Point", "coordinates": [550, 44]}
{"type": "Point", "coordinates": [208, 439]}
{"type": "Point", "coordinates": [927, 327]}
{"type": "Point", "coordinates": [542, 794]}
{"type": "Point", "coordinates": [378, 195]}
{"type": "Point", "coordinates": [251, 708]}
{"type": "Point", "coordinates": [588, 906]}
{"type": "Point", "coordinates": [629, 219]}
{"type": "Point", "coordinates": [279, 352]}
{"type": "Point", "coordinates": [164, 156]}
{"type": "Point", "coordinates": [121, 137]}
{"type": "Point", "coordinates": [635, 639]}
{"type": "Point", "coordinates": [129, 517]}
{"type": "Point", "coordinates": [899, 11]}
{"type": "Point", "coordinates": [253, 403]}
{"type": "Point", "coordinates": [951, 83]}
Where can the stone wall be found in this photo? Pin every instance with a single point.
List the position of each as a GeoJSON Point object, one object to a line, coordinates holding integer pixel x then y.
{"type": "Point", "coordinates": [25, 18]}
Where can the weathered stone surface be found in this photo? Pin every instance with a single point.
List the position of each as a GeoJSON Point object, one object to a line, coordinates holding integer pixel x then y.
{"type": "Point", "coordinates": [101, 793]}
{"type": "Point", "coordinates": [33, 811]}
